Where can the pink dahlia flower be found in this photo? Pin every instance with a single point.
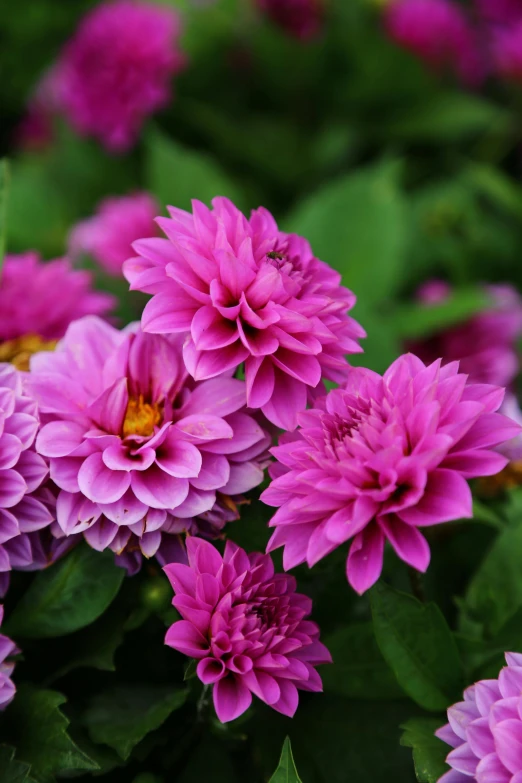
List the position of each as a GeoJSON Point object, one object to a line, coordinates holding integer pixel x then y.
{"type": "Point", "coordinates": [117, 69]}
{"type": "Point", "coordinates": [485, 730]}
{"type": "Point", "coordinates": [39, 300]}
{"type": "Point", "coordinates": [246, 626]}
{"type": "Point", "coordinates": [24, 506]}
{"type": "Point", "coordinates": [7, 649]}
{"type": "Point", "coordinates": [500, 11]}
{"type": "Point", "coordinates": [134, 444]}
{"type": "Point", "coordinates": [379, 460]}
{"type": "Point", "coordinates": [109, 234]}
{"type": "Point", "coordinates": [439, 33]}
{"type": "Point", "coordinates": [485, 345]}
{"type": "Point", "coordinates": [250, 293]}
{"type": "Point", "coordinates": [302, 19]}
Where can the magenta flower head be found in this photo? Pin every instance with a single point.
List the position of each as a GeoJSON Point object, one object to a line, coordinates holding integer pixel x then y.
{"type": "Point", "coordinates": [109, 234]}
{"type": "Point", "coordinates": [439, 34]}
{"type": "Point", "coordinates": [246, 626]}
{"type": "Point", "coordinates": [379, 460]}
{"type": "Point", "coordinates": [507, 51]}
{"type": "Point", "coordinates": [117, 70]}
{"type": "Point", "coordinates": [485, 345]}
{"type": "Point", "coordinates": [485, 730]}
{"type": "Point", "coordinates": [32, 315]}
{"type": "Point", "coordinates": [250, 293]}
{"type": "Point", "coordinates": [302, 19]}
{"type": "Point", "coordinates": [500, 11]}
{"type": "Point", "coordinates": [24, 506]}
{"type": "Point", "coordinates": [7, 649]}
{"type": "Point", "coordinates": [134, 444]}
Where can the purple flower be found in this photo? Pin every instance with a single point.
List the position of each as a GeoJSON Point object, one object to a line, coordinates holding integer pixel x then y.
{"type": "Point", "coordinates": [485, 730]}
{"type": "Point", "coordinates": [117, 69]}
{"type": "Point", "coordinates": [250, 293]}
{"type": "Point", "coordinates": [300, 18]}
{"type": "Point", "coordinates": [439, 33]}
{"type": "Point", "coordinates": [485, 345]}
{"type": "Point", "coordinates": [109, 234]}
{"type": "Point", "coordinates": [24, 505]}
{"type": "Point", "coordinates": [32, 315]}
{"type": "Point", "coordinates": [246, 626]}
{"type": "Point", "coordinates": [7, 649]}
{"type": "Point", "coordinates": [381, 458]}
{"type": "Point", "coordinates": [135, 446]}
{"type": "Point", "coordinates": [507, 51]}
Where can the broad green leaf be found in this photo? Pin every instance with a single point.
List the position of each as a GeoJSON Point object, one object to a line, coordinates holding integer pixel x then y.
{"type": "Point", "coordinates": [359, 670]}
{"type": "Point", "coordinates": [176, 174]}
{"type": "Point", "coordinates": [286, 771]}
{"type": "Point", "coordinates": [429, 752]}
{"type": "Point", "coordinates": [495, 592]}
{"type": "Point", "coordinates": [4, 192]}
{"type": "Point", "coordinates": [416, 321]}
{"type": "Point", "coordinates": [12, 770]}
{"type": "Point", "coordinates": [418, 645]}
{"type": "Point", "coordinates": [448, 116]}
{"type": "Point", "coordinates": [38, 728]}
{"type": "Point", "coordinates": [68, 595]}
{"type": "Point", "coordinates": [496, 186]}
{"type": "Point", "coordinates": [123, 716]}
{"type": "Point", "coordinates": [359, 225]}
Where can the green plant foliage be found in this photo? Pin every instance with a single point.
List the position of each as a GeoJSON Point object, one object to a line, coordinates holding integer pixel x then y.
{"type": "Point", "coordinates": [11, 770]}
{"type": "Point", "coordinates": [286, 771]}
{"type": "Point", "coordinates": [417, 643]}
{"type": "Point", "coordinates": [429, 752]}
{"type": "Point", "coordinates": [123, 716]}
{"type": "Point", "coordinates": [67, 596]}
{"type": "Point", "coordinates": [38, 727]}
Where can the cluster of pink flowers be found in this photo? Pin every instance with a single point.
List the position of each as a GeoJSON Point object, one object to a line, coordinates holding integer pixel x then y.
{"type": "Point", "coordinates": [117, 69]}
{"type": "Point", "coordinates": [7, 649]}
{"type": "Point", "coordinates": [473, 43]}
{"type": "Point", "coordinates": [485, 730]}
{"type": "Point", "coordinates": [145, 440]}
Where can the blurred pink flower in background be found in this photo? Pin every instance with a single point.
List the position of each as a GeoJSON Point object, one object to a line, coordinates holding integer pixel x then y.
{"type": "Point", "coordinates": [247, 627]}
{"type": "Point", "coordinates": [500, 11]}
{"type": "Point", "coordinates": [485, 345]}
{"type": "Point", "coordinates": [247, 292]}
{"type": "Point", "coordinates": [38, 301]}
{"type": "Point", "coordinates": [299, 18]}
{"type": "Point", "coordinates": [379, 460]}
{"type": "Point", "coordinates": [507, 51]}
{"type": "Point", "coordinates": [117, 70]}
{"type": "Point", "coordinates": [108, 236]}
{"type": "Point", "coordinates": [439, 33]}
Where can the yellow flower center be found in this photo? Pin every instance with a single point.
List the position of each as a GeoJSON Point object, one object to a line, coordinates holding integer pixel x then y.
{"type": "Point", "coordinates": [141, 417]}
{"type": "Point", "coordinates": [20, 350]}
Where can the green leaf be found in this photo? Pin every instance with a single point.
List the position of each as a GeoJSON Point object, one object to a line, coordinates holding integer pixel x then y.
{"type": "Point", "coordinates": [416, 321]}
{"type": "Point", "coordinates": [68, 595]}
{"type": "Point", "coordinates": [123, 716]}
{"type": "Point", "coordinates": [495, 185]}
{"type": "Point", "coordinates": [176, 174]}
{"type": "Point", "coordinates": [429, 752]}
{"type": "Point", "coordinates": [448, 116]}
{"type": "Point", "coordinates": [359, 670]}
{"type": "Point", "coordinates": [359, 225]}
{"type": "Point", "coordinates": [286, 771]}
{"type": "Point", "coordinates": [12, 770]}
{"type": "Point", "coordinates": [190, 669]}
{"type": "Point", "coordinates": [495, 592]}
{"type": "Point", "coordinates": [419, 647]}
{"type": "Point", "coordinates": [4, 190]}
{"type": "Point", "coordinates": [39, 730]}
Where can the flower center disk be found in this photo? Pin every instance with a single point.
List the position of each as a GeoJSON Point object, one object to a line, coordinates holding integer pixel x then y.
{"type": "Point", "coordinates": [141, 417]}
{"type": "Point", "coordinates": [19, 350]}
